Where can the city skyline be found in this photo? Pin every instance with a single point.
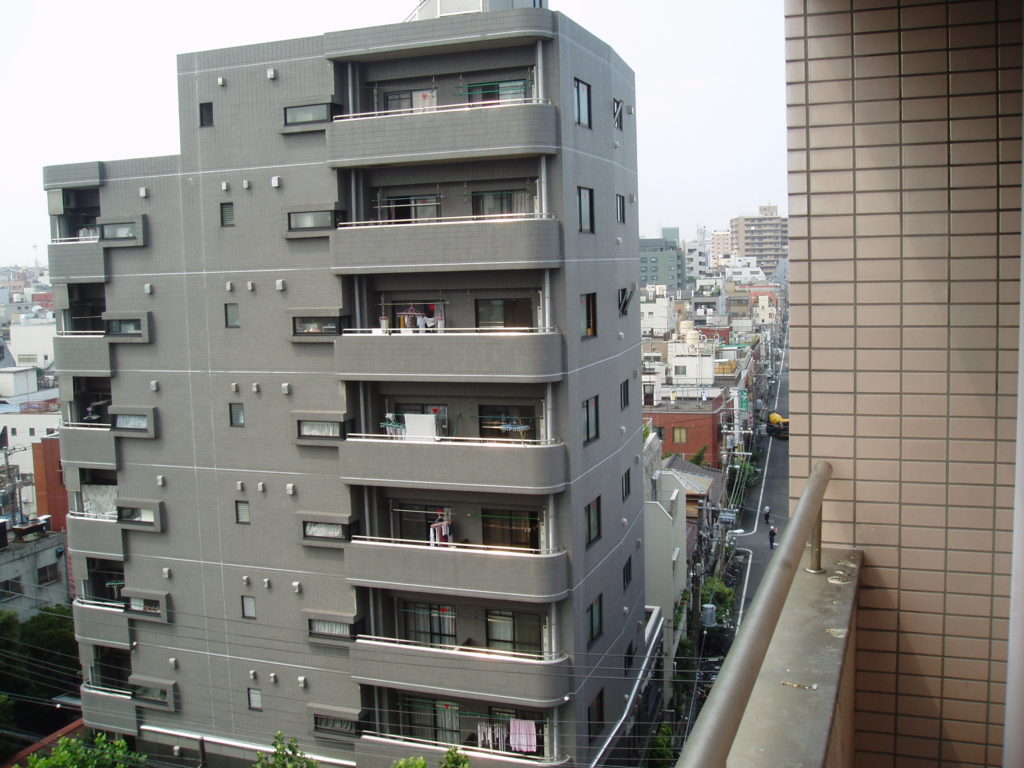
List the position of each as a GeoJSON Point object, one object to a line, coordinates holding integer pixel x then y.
{"type": "Point", "coordinates": [711, 147]}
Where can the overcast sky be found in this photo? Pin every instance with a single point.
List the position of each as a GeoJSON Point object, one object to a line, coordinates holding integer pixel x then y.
{"type": "Point", "coordinates": [97, 82]}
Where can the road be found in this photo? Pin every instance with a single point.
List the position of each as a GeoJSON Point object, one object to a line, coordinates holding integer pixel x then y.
{"type": "Point", "coordinates": [773, 490]}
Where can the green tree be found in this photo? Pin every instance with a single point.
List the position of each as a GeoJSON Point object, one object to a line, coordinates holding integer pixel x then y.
{"type": "Point", "coordinates": [714, 590]}
{"type": "Point", "coordinates": [100, 752]}
{"type": "Point", "coordinates": [698, 457]}
{"type": "Point", "coordinates": [48, 638]}
{"type": "Point", "coordinates": [286, 754]}
{"type": "Point", "coordinates": [410, 762]}
{"type": "Point", "coordinates": [454, 759]}
{"type": "Point", "coordinates": [662, 753]}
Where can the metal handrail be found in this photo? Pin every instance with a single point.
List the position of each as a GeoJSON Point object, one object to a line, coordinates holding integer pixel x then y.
{"type": "Point", "coordinates": [498, 550]}
{"type": "Point", "coordinates": [70, 240]}
{"type": "Point", "coordinates": [511, 331]}
{"type": "Point", "coordinates": [465, 105]}
{"type": "Point", "coordinates": [547, 656]}
{"type": "Point", "coordinates": [471, 219]}
{"type": "Point", "coordinates": [712, 737]}
{"type": "Point", "coordinates": [513, 441]}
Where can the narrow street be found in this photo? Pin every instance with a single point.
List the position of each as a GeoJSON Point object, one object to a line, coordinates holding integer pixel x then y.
{"type": "Point", "coordinates": [772, 490]}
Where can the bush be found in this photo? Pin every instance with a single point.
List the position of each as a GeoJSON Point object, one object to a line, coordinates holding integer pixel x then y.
{"type": "Point", "coordinates": [715, 591]}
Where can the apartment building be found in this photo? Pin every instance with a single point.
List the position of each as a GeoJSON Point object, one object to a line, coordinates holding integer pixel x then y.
{"type": "Point", "coordinates": [905, 170]}
{"type": "Point", "coordinates": [764, 237]}
{"type": "Point", "coordinates": [352, 402]}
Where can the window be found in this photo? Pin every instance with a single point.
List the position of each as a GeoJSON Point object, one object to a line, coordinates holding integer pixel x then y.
{"type": "Point", "coordinates": [417, 100]}
{"type": "Point", "coordinates": [590, 427]}
{"type": "Point", "coordinates": [595, 715]}
{"type": "Point", "coordinates": [254, 696]}
{"type": "Point", "coordinates": [502, 202]}
{"type": "Point", "coordinates": [678, 434]}
{"type": "Point", "coordinates": [308, 113]}
{"type": "Point", "coordinates": [148, 605]}
{"type": "Point", "coordinates": [588, 314]}
{"type": "Point", "coordinates": [227, 214]}
{"type": "Point", "coordinates": [514, 631]}
{"type": "Point", "coordinates": [430, 623]}
{"type": "Point", "coordinates": [627, 573]}
{"type": "Point", "coordinates": [617, 113]}
{"type": "Point", "coordinates": [242, 513]}
{"type": "Point", "coordinates": [131, 421]}
{"type": "Point", "coordinates": [48, 574]}
{"type": "Point", "coordinates": [630, 656]}
{"type": "Point", "coordinates": [151, 693]}
{"type": "Point", "coordinates": [11, 589]}
{"type": "Point", "coordinates": [320, 430]}
{"type": "Point", "coordinates": [136, 515]}
{"type": "Point", "coordinates": [504, 421]}
{"type": "Point", "coordinates": [231, 317]}
{"type": "Point", "coordinates": [593, 515]}
{"type": "Point", "coordinates": [624, 394]}
{"type": "Point", "coordinates": [627, 483]}
{"type": "Point", "coordinates": [431, 719]}
{"type": "Point", "coordinates": [585, 208]}
{"type": "Point", "coordinates": [316, 326]}
{"type": "Point", "coordinates": [512, 528]}
{"type": "Point", "coordinates": [594, 621]}
{"type": "Point", "coordinates": [315, 530]}
{"type": "Point", "coordinates": [620, 209]}
{"type": "Point", "coordinates": [206, 114]}
{"type": "Point", "coordinates": [14, 430]}
{"type": "Point", "coordinates": [28, 358]}
{"type": "Point", "coordinates": [31, 431]}
{"type": "Point", "coordinates": [408, 209]}
{"type": "Point", "coordinates": [312, 220]}
{"type": "Point", "coordinates": [581, 102]}
{"type": "Point", "coordinates": [122, 231]}
{"type": "Point", "coordinates": [129, 327]}
{"type": "Point", "coordinates": [505, 90]}
{"type": "Point", "coordinates": [329, 628]}
{"type": "Point", "coordinates": [335, 726]}
{"type": "Point", "coordinates": [236, 414]}
{"type": "Point", "coordinates": [248, 607]}
{"type": "Point", "coordinates": [680, 370]}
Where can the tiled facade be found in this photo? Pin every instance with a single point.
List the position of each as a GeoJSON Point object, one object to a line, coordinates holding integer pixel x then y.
{"type": "Point", "coordinates": [905, 171]}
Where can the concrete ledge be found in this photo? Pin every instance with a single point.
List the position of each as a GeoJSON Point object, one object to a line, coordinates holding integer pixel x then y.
{"type": "Point", "coordinates": [801, 708]}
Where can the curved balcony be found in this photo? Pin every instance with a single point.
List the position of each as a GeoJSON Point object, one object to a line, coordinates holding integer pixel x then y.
{"type": "Point", "coordinates": [496, 465]}
{"type": "Point", "coordinates": [459, 243]}
{"type": "Point", "coordinates": [81, 353]}
{"type": "Point", "coordinates": [108, 708]}
{"type": "Point", "coordinates": [452, 132]}
{"type": "Point", "coordinates": [513, 355]}
{"type": "Point", "coordinates": [469, 570]}
{"type": "Point", "coordinates": [88, 445]}
{"type": "Point", "coordinates": [519, 679]}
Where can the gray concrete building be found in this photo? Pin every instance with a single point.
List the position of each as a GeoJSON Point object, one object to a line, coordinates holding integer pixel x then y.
{"type": "Point", "coordinates": [352, 402]}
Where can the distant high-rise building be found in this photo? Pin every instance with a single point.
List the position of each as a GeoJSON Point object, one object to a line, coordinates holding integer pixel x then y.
{"type": "Point", "coordinates": [764, 237]}
{"type": "Point", "coordinates": [720, 245]}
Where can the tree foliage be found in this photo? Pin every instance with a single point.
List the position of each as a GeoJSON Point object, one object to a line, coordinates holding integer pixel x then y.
{"type": "Point", "coordinates": [100, 752]}
{"type": "Point", "coordinates": [410, 762]}
{"type": "Point", "coordinates": [714, 590]}
{"type": "Point", "coordinates": [455, 759]}
{"type": "Point", "coordinates": [286, 754]}
{"type": "Point", "coordinates": [49, 639]}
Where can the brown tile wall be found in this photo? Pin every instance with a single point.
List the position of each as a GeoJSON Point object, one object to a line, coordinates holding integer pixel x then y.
{"type": "Point", "coordinates": [905, 172]}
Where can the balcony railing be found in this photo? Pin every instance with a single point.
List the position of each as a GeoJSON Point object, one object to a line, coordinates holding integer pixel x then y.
{"type": "Point", "coordinates": [473, 650]}
{"type": "Point", "coordinates": [504, 331]}
{"type": "Point", "coordinates": [102, 603]}
{"type": "Point", "coordinates": [489, 548]}
{"type": "Point", "coordinates": [98, 681]}
{"type": "Point", "coordinates": [80, 334]}
{"type": "Point", "coordinates": [482, 218]}
{"type": "Point", "coordinates": [517, 757]}
{"type": "Point", "coordinates": [403, 438]}
{"type": "Point", "coordinates": [80, 239]}
{"type": "Point", "coordinates": [494, 104]}
{"type": "Point", "coordinates": [820, 610]}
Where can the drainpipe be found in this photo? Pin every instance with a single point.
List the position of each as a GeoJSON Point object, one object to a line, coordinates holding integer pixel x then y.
{"type": "Point", "coordinates": [538, 69]}
{"type": "Point", "coordinates": [542, 192]}
{"type": "Point", "coordinates": [546, 320]}
{"type": "Point", "coordinates": [351, 89]}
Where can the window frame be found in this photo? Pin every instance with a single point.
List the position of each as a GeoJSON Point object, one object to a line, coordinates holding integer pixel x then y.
{"type": "Point", "coordinates": [333, 224]}
{"type": "Point", "coordinates": [591, 419]}
{"type": "Point", "coordinates": [248, 606]}
{"type": "Point", "coordinates": [582, 111]}
{"type": "Point", "coordinates": [254, 699]}
{"type": "Point", "coordinates": [232, 317]}
{"type": "Point", "coordinates": [206, 114]}
{"type": "Point", "coordinates": [627, 573]}
{"type": "Point", "coordinates": [620, 208]}
{"type": "Point", "coordinates": [592, 515]}
{"type": "Point", "coordinates": [301, 423]}
{"type": "Point", "coordinates": [618, 108]}
{"type": "Point", "coordinates": [227, 214]}
{"type": "Point", "coordinates": [353, 730]}
{"type": "Point", "coordinates": [676, 432]}
{"type": "Point", "coordinates": [624, 395]}
{"type": "Point", "coordinates": [595, 716]}
{"type": "Point", "coordinates": [11, 589]}
{"type": "Point", "coordinates": [588, 315]}
{"type": "Point", "coordinates": [595, 620]}
{"type": "Point", "coordinates": [236, 414]}
{"type": "Point", "coordinates": [331, 110]}
{"type": "Point", "coordinates": [243, 517]}
{"type": "Point", "coordinates": [585, 210]}
{"type": "Point", "coordinates": [627, 483]}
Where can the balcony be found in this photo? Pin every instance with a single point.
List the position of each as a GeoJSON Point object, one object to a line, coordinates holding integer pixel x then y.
{"type": "Point", "coordinates": [95, 535]}
{"type": "Point", "coordinates": [511, 355]}
{"type": "Point", "coordinates": [792, 666]}
{"type": "Point", "coordinates": [495, 465]}
{"type": "Point", "coordinates": [101, 620]}
{"type": "Point", "coordinates": [108, 708]}
{"type": "Point", "coordinates": [522, 127]}
{"type": "Point", "coordinates": [77, 259]}
{"type": "Point", "coordinates": [444, 244]}
{"type": "Point", "coordinates": [469, 570]}
{"type": "Point", "coordinates": [88, 445]}
{"type": "Point", "coordinates": [81, 353]}
{"type": "Point", "coordinates": [519, 679]}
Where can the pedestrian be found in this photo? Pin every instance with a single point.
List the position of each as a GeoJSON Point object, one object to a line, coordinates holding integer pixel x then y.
{"type": "Point", "coordinates": [771, 537]}
{"type": "Point", "coordinates": [767, 511]}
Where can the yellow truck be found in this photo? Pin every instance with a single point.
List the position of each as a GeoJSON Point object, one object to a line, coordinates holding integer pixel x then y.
{"type": "Point", "coordinates": [778, 426]}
